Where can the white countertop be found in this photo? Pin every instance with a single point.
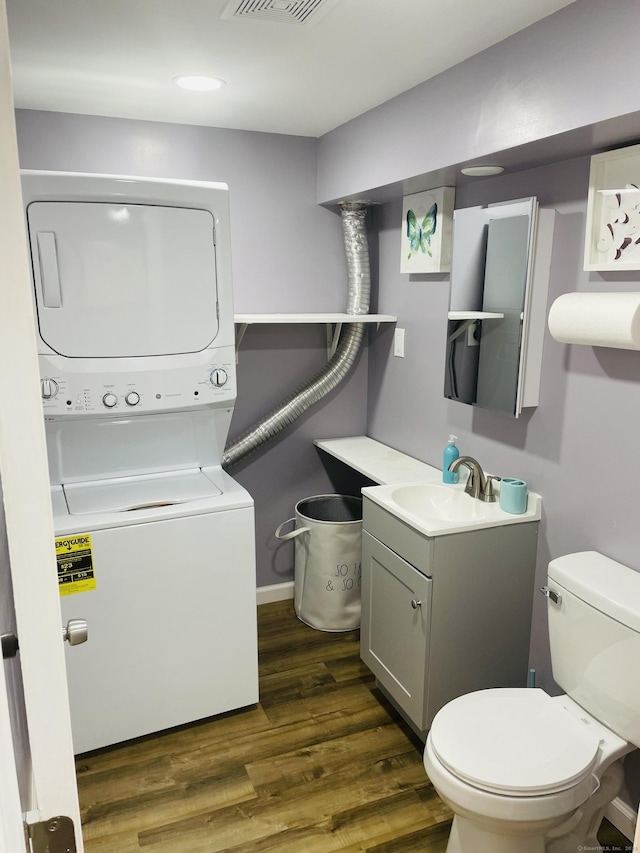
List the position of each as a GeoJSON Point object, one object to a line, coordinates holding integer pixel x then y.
{"type": "Point", "coordinates": [378, 462]}
{"type": "Point", "coordinates": [392, 469]}
{"type": "Point", "coordinates": [433, 518]}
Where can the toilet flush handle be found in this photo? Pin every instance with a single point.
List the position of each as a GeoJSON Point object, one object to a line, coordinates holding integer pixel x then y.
{"type": "Point", "coordinates": [552, 594]}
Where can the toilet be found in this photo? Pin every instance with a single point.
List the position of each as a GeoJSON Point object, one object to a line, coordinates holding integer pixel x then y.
{"type": "Point", "coordinates": [525, 772]}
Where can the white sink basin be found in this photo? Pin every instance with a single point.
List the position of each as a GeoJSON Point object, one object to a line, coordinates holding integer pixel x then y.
{"type": "Point", "coordinates": [430, 500]}
{"type": "Point", "coordinates": [437, 509]}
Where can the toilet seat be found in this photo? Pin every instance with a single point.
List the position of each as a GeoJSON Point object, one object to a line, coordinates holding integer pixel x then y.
{"type": "Point", "coordinates": [514, 742]}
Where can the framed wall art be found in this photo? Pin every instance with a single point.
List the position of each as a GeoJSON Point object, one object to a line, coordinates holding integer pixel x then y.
{"type": "Point", "coordinates": [427, 225]}
{"type": "Point", "coordinates": [612, 238]}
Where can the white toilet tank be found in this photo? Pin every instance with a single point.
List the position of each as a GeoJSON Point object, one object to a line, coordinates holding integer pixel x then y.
{"type": "Point", "coordinates": [594, 632]}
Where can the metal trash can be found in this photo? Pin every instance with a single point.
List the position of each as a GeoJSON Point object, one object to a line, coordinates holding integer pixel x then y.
{"type": "Point", "coordinates": [328, 559]}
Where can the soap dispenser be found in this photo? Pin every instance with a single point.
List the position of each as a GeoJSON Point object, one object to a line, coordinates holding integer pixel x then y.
{"type": "Point", "coordinates": [450, 454]}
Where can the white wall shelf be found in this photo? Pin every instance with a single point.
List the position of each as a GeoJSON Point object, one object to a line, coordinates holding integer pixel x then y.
{"type": "Point", "coordinates": [377, 461]}
{"type": "Point", "coordinates": [333, 322]}
{"type": "Point", "coordinates": [474, 315]}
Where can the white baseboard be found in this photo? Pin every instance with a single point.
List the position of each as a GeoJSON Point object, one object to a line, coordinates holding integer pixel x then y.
{"type": "Point", "coordinates": [622, 816]}
{"type": "Point", "coordinates": [275, 592]}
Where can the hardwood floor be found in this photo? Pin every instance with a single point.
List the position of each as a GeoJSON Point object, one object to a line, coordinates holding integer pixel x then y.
{"type": "Point", "coordinates": [322, 764]}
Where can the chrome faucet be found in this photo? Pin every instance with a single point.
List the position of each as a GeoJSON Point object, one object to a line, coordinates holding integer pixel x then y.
{"type": "Point", "coordinates": [478, 484]}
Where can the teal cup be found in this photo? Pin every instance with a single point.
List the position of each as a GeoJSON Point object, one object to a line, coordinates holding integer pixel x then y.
{"type": "Point", "coordinates": [513, 495]}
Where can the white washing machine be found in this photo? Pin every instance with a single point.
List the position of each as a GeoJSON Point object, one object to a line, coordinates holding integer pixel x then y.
{"type": "Point", "coordinates": [155, 542]}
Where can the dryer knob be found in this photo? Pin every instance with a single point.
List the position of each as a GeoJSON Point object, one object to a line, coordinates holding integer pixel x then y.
{"type": "Point", "coordinates": [48, 388]}
{"type": "Point", "coordinates": [132, 398]}
{"type": "Point", "coordinates": [110, 400]}
{"type": "Point", "coordinates": [219, 377]}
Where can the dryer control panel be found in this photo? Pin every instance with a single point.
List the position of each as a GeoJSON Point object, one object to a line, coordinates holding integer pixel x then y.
{"type": "Point", "coordinates": [111, 392]}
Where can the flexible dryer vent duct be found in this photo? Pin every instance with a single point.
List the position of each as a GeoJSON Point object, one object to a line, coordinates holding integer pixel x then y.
{"type": "Point", "coordinates": [349, 343]}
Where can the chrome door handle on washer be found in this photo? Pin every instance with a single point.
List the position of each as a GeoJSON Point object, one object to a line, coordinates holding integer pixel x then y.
{"type": "Point", "coordinates": [75, 632]}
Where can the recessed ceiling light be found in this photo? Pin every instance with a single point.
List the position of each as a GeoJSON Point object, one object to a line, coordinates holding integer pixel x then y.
{"type": "Point", "coordinates": [482, 171]}
{"type": "Point", "coordinates": [199, 84]}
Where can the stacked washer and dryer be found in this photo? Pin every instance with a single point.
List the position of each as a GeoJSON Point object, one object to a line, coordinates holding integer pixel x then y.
{"type": "Point", "coordinates": [155, 542]}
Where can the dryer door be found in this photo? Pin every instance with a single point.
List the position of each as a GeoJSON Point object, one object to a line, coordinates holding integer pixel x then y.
{"type": "Point", "coordinates": [118, 280]}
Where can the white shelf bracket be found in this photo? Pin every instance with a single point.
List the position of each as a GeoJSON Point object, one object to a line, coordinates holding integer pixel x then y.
{"type": "Point", "coordinates": [461, 329]}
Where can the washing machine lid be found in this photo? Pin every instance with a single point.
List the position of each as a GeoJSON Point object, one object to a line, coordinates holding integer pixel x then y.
{"type": "Point", "coordinates": [123, 280]}
{"type": "Point", "coordinates": [134, 493]}
{"type": "Point", "coordinates": [513, 741]}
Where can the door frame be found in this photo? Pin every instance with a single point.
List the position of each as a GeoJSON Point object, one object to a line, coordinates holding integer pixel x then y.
{"type": "Point", "coordinates": [26, 495]}
{"type": "Point", "coordinates": [11, 820]}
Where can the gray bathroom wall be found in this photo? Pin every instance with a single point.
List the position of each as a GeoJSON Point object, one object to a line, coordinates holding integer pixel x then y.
{"type": "Point", "coordinates": [287, 255]}
{"type": "Point", "coordinates": [548, 94]}
{"type": "Point", "coordinates": [557, 88]}
{"type": "Point", "coordinates": [569, 447]}
{"type": "Point", "coordinates": [577, 448]}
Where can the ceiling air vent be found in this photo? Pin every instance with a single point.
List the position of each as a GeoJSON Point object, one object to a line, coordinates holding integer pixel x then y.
{"type": "Point", "coordinates": [278, 11]}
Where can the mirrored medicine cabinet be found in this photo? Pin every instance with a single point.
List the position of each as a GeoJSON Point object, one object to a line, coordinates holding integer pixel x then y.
{"type": "Point", "coordinates": [497, 307]}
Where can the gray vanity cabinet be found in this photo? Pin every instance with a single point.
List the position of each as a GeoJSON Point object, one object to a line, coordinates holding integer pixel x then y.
{"type": "Point", "coordinates": [395, 624]}
{"type": "Point", "coordinates": [444, 615]}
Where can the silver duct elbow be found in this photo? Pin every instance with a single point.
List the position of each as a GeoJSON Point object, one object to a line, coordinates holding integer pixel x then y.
{"type": "Point", "coordinates": [339, 365]}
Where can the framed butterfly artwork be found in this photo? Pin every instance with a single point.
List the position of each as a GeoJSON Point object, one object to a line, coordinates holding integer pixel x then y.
{"type": "Point", "coordinates": [427, 225]}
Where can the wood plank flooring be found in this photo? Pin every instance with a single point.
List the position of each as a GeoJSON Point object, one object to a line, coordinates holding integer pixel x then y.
{"type": "Point", "coordinates": [322, 764]}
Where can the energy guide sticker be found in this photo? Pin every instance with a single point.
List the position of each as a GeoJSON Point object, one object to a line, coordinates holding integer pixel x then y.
{"type": "Point", "coordinates": [75, 563]}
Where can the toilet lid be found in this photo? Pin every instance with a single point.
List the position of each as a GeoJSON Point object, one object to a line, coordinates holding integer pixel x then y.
{"type": "Point", "coordinates": [513, 741]}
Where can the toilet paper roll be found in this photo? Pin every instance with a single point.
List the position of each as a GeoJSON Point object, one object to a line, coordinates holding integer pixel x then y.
{"type": "Point", "coordinates": [597, 319]}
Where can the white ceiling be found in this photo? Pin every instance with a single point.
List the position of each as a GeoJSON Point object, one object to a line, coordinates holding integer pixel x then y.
{"type": "Point", "coordinates": [119, 57]}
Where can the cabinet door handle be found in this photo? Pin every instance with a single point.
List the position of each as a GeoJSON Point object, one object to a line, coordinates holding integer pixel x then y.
{"type": "Point", "coordinates": [415, 604]}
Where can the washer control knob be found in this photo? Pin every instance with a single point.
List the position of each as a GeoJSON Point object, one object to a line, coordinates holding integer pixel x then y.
{"type": "Point", "coordinates": [110, 400]}
{"type": "Point", "coordinates": [48, 388]}
{"type": "Point", "coordinates": [132, 398]}
{"type": "Point", "coordinates": [219, 377]}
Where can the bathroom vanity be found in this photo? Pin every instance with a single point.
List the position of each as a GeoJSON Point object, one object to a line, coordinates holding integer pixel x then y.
{"type": "Point", "coordinates": [447, 582]}
{"type": "Point", "coordinates": [447, 614]}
